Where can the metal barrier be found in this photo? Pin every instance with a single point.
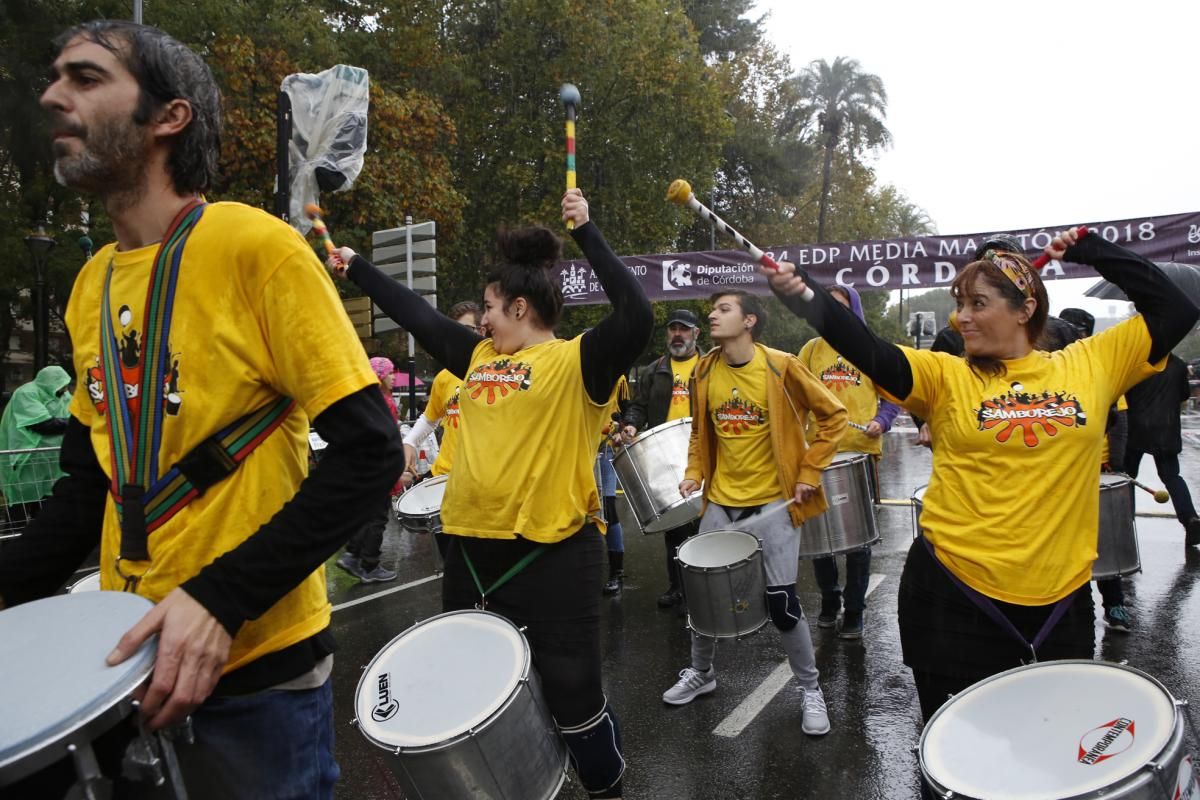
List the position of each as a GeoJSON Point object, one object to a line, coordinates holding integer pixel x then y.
{"type": "Point", "coordinates": [26, 478]}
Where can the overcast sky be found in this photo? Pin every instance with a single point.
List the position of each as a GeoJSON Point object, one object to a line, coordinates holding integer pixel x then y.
{"type": "Point", "coordinates": [1023, 114]}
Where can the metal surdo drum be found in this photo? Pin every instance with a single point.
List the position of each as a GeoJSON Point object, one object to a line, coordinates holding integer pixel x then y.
{"type": "Point", "coordinates": [456, 705]}
{"type": "Point", "coordinates": [88, 583]}
{"type": "Point", "coordinates": [57, 693]}
{"type": "Point", "coordinates": [420, 508]}
{"type": "Point", "coordinates": [1116, 544]}
{"type": "Point", "coordinates": [724, 584]}
{"type": "Point", "coordinates": [1056, 730]}
{"type": "Point", "coordinates": [849, 522]}
{"type": "Point", "coordinates": [650, 469]}
{"type": "Point", "coordinates": [918, 503]}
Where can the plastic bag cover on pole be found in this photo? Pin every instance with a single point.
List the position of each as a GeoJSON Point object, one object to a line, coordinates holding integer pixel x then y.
{"type": "Point", "coordinates": [329, 134]}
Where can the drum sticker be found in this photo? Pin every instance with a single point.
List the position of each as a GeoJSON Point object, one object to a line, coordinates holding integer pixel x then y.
{"type": "Point", "coordinates": [1186, 787]}
{"type": "Point", "coordinates": [499, 378]}
{"type": "Point", "coordinates": [1108, 740]}
{"type": "Point", "coordinates": [839, 499]}
{"type": "Point", "coordinates": [386, 706]}
{"type": "Point", "coordinates": [1028, 411]}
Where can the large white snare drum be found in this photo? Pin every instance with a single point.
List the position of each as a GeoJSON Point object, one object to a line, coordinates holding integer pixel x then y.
{"type": "Point", "coordinates": [420, 508]}
{"type": "Point", "coordinates": [1116, 543]}
{"type": "Point", "coordinates": [650, 469]}
{"type": "Point", "coordinates": [57, 694]}
{"type": "Point", "coordinates": [1057, 730]}
{"type": "Point", "coordinates": [724, 583]}
{"type": "Point", "coordinates": [456, 704]}
{"type": "Point", "coordinates": [849, 522]}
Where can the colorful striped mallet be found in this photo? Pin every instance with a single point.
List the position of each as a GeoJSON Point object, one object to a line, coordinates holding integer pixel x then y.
{"type": "Point", "coordinates": [680, 193]}
{"type": "Point", "coordinates": [314, 213]}
{"type": "Point", "coordinates": [569, 95]}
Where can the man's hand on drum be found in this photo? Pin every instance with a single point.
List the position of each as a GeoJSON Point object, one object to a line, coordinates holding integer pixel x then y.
{"type": "Point", "coordinates": [924, 437]}
{"type": "Point", "coordinates": [688, 487]}
{"type": "Point", "coordinates": [804, 491]}
{"type": "Point", "coordinates": [873, 430]}
{"type": "Point", "coordinates": [628, 434]}
{"type": "Point", "coordinates": [193, 648]}
{"type": "Point", "coordinates": [784, 280]}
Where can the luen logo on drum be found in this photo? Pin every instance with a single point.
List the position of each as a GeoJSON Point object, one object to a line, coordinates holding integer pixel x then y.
{"type": "Point", "coordinates": [1023, 411]}
{"type": "Point", "coordinates": [1108, 740]}
{"type": "Point", "coordinates": [499, 379]}
{"type": "Point", "coordinates": [385, 705]}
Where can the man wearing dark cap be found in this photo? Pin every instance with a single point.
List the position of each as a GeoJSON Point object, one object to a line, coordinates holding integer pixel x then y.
{"type": "Point", "coordinates": [661, 395]}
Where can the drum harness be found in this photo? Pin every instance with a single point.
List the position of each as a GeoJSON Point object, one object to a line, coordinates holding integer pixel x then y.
{"type": "Point", "coordinates": [512, 572]}
{"type": "Point", "coordinates": [144, 500]}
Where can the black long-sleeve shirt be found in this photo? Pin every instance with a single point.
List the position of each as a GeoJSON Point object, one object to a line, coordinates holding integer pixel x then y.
{"type": "Point", "coordinates": [363, 458]}
{"type": "Point", "coordinates": [607, 351]}
{"type": "Point", "coordinates": [1169, 315]}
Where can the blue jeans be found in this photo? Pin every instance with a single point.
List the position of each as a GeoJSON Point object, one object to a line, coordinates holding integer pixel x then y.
{"type": "Point", "coordinates": [858, 575]}
{"type": "Point", "coordinates": [273, 745]}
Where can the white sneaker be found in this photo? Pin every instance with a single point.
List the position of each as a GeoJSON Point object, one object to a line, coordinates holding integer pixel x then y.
{"type": "Point", "coordinates": [814, 718]}
{"type": "Point", "coordinates": [692, 683]}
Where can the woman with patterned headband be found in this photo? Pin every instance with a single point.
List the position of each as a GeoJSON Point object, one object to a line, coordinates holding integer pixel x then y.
{"type": "Point", "coordinates": [1000, 573]}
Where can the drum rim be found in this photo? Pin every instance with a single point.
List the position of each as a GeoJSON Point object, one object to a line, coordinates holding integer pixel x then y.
{"type": "Point", "coordinates": [691, 500]}
{"type": "Point", "coordinates": [1114, 480]}
{"type": "Point", "coordinates": [526, 669]}
{"type": "Point", "coordinates": [419, 489]}
{"type": "Point", "coordinates": [847, 457]}
{"type": "Point", "coordinates": [26, 760]}
{"type": "Point", "coordinates": [1174, 702]}
{"type": "Point", "coordinates": [650, 432]}
{"type": "Point", "coordinates": [89, 577]}
{"type": "Point", "coordinates": [683, 564]}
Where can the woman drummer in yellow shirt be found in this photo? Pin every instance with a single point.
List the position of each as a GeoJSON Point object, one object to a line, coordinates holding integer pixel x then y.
{"type": "Point", "coordinates": [1009, 525]}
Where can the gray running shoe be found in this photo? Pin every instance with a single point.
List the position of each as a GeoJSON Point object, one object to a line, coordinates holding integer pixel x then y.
{"type": "Point", "coordinates": [814, 718]}
{"type": "Point", "coordinates": [691, 684]}
{"type": "Point", "coordinates": [379, 574]}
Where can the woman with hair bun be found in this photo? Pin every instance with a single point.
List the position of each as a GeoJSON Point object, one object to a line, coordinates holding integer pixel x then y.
{"type": "Point", "coordinates": [522, 495]}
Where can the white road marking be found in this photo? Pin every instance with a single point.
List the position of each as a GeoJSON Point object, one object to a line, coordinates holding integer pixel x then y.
{"type": "Point", "coordinates": [750, 708]}
{"type": "Point", "coordinates": [392, 590]}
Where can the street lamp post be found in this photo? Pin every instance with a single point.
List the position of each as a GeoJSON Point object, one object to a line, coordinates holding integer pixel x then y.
{"type": "Point", "coordinates": [40, 245]}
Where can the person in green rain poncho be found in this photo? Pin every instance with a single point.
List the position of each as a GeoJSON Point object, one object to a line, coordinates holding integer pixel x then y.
{"type": "Point", "coordinates": [35, 417]}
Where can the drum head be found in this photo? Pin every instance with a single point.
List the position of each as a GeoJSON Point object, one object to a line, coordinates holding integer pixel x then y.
{"type": "Point", "coordinates": [848, 457]}
{"type": "Point", "coordinates": [88, 583]}
{"type": "Point", "coordinates": [1045, 731]}
{"type": "Point", "coordinates": [440, 678]}
{"type": "Point", "coordinates": [423, 499]}
{"type": "Point", "coordinates": [52, 660]}
{"type": "Point", "coordinates": [718, 549]}
{"type": "Point", "coordinates": [1113, 480]}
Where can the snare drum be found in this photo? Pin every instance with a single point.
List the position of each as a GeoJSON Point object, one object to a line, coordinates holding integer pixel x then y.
{"type": "Point", "coordinates": [650, 469]}
{"type": "Point", "coordinates": [1059, 729]}
{"type": "Point", "coordinates": [849, 522]}
{"type": "Point", "coordinates": [420, 508]}
{"type": "Point", "coordinates": [724, 584]}
{"type": "Point", "coordinates": [88, 583]}
{"type": "Point", "coordinates": [1116, 542]}
{"type": "Point", "coordinates": [57, 693]}
{"type": "Point", "coordinates": [457, 706]}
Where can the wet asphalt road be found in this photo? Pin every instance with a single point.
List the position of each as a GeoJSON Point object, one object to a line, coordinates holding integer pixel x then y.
{"type": "Point", "coordinates": [729, 744]}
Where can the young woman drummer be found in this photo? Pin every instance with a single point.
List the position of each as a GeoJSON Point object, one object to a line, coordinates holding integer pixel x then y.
{"type": "Point", "coordinates": [521, 502]}
{"type": "Point", "coordinates": [1000, 575]}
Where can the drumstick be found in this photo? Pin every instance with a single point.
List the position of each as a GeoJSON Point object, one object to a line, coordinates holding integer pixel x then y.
{"type": "Point", "coordinates": [314, 213]}
{"type": "Point", "coordinates": [1160, 495]}
{"type": "Point", "coordinates": [569, 95]}
{"type": "Point", "coordinates": [856, 426]}
{"type": "Point", "coordinates": [680, 193]}
{"type": "Point", "coordinates": [760, 516]}
{"type": "Point", "coordinates": [1044, 259]}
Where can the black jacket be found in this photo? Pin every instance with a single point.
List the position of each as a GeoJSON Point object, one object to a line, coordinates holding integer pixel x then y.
{"type": "Point", "coordinates": [1154, 406]}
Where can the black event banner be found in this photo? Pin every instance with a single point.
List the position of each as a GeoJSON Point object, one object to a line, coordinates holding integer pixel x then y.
{"type": "Point", "coordinates": [923, 262]}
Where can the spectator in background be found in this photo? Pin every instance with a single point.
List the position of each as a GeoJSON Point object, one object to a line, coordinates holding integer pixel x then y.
{"type": "Point", "coordinates": [35, 417]}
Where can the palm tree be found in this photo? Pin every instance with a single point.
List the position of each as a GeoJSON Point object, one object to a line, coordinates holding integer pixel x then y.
{"type": "Point", "coordinates": [841, 106]}
{"type": "Point", "coordinates": [912, 220]}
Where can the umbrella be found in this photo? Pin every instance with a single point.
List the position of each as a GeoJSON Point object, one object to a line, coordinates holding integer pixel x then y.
{"type": "Point", "coordinates": [1185, 276]}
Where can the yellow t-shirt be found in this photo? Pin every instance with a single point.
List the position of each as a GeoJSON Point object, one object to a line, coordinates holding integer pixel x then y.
{"type": "Point", "coordinates": [1012, 506]}
{"type": "Point", "coordinates": [855, 391]}
{"type": "Point", "coordinates": [255, 317]}
{"type": "Point", "coordinates": [443, 406]}
{"type": "Point", "coordinates": [681, 375]}
{"type": "Point", "coordinates": [745, 473]}
{"type": "Point", "coordinates": [526, 447]}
